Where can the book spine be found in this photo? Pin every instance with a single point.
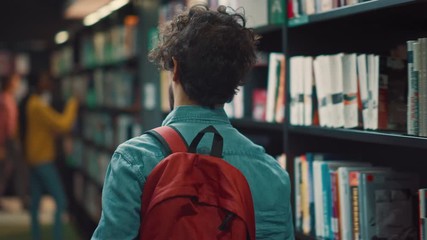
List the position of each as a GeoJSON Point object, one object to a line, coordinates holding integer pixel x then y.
{"type": "Point", "coordinates": [327, 202]}
{"type": "Point", "coordinates": [318, 199]}
{"type": "Point", "coordinates": [422, 194]}
{"type": "Point", "coordinates": [354, 192]}
{"type": "Point", "coordinates": [306, 198]}
{"type": "Point", "coordinates": [298, 210]}
{"type": "Point", "coordinates": [416, 79]}
{"type": "Point", "coordinates": [276, 14]}
{"type": "Point", "coordinates": [312, 231]}
{"type": "Point", "coordinates": [280, 102]}
{"type": "Point", "coordinates": [345, 219]}
{"type": "Point", "coordinates": [335, 205]}
{"type": "Point", "coordinates": [383, 103]}
{"type": "Point", "coordinates": [422, 85]}
{"type": "Point", "coordinates": [411, 89]}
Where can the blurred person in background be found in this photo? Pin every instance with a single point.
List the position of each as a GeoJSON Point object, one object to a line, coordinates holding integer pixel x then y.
{"type": "Point", "coordinates": [9, 140]}
{"type": "Point", "coordinates": [43, 125]}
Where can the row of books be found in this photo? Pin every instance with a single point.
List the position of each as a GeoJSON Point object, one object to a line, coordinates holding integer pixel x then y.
{"type": "Point", "coordinates": [349, 90]}
{"type": "Point", "coordinates": [339, 198]}
{"type": "Point", "coordinates": [257, 13]}
{"type": "Point", "coordinates": [18, 62]}
{"type": "Point", "coordinates": [307, 7]}
{"type": "Point", "coordinates": [89, 159]}
{"type": "Point", "coordinates": [62, 61]}
{"type": "Point", "coordinates": [88, 195]}
{"type": "Point", "coordinates": [109, 131]}
{"type": "Point", "coordinates": [116, 44]}
{"type": "Point", "coordinates": [113, 88]}
{"type": "Point", "coordinates": [417, 87]}
{"type": "Point", "coordinates": [268, 104]}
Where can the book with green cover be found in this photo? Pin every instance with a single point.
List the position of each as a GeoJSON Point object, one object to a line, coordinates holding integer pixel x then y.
{"type": "Point", "coordinates": [276, 12]}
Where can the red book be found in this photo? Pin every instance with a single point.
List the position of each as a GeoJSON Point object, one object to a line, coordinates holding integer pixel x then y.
{"type": "Point", "coordinates": [335, 206]}
{"type": "Point", "coordinates": [259, 100]}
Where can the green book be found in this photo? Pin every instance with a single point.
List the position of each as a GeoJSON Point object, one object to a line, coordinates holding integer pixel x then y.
{"type": "Point", "coordinates": [276, 12]}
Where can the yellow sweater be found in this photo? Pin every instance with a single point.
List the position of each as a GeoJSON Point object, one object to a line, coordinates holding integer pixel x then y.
{"type": "Point", "coordinates": [43, 124]}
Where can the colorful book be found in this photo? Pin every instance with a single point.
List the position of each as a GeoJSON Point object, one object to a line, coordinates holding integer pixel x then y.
{"type": "Point", "coordinates": [259, 101]}
{"type": "Point", "coordinates": [276, 12]}
{"type": "Point", "coordinates": [274, 71]}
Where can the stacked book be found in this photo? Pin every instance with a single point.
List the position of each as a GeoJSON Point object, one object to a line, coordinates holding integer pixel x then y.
{"type": "Point", "coordinates": [341, 198]}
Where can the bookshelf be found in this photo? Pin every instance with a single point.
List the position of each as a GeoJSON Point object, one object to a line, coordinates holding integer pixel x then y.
{"type": "Point", "coordinates": [104, 63]}
{"type": "Point", "coordinates": [348, 11]}
{"type": "Point", "coordinates": [369, 27]}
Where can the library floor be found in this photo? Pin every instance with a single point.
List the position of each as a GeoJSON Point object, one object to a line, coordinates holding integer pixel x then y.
{"type": "Point", "coordinates": [15, 221]}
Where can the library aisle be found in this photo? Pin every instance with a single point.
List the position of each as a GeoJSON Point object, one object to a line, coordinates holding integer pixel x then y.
{"type": "Point", "coordinates": [338, 96]}
{"type": "Point", "coordinates": [15, 220]}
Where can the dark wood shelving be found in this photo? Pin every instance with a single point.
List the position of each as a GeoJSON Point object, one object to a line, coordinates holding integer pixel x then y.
{"type": "Point", "coordinates": [385, 138]}
{"type": "Point", "coordinates": [268, 29]}
{"type": "Point", "coordinates": [113, 110]}
{"type": "Point", "coordinates": [112, 64]}
{"type": "Point", "coordinates": [98, 146]}
{"type": "Point", "coordinates": [346, 11]}
{"type": "Point", "coordinates": [91, 179]}
{"type": "Point", "coordinates": [108, 65]}
{"type": "Point", "coordinates": [262, 126]}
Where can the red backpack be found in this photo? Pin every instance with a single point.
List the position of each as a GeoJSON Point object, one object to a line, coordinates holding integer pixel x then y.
{"type": "Point", "coordinates": [194, 196]}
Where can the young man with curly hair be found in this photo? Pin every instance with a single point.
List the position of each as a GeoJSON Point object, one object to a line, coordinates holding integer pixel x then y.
{"type": "Point", "coordinates": [208, 53]}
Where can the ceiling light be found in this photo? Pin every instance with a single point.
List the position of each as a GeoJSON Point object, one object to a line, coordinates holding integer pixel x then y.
{"type": "Point", "coordinates": [104, 11]}
{"type": "Point", "coordinates": [91, 19]}
{"type": "Point", "coordinates": [116, 4]}
{"type": "Point", "coordinates": [61, 37]}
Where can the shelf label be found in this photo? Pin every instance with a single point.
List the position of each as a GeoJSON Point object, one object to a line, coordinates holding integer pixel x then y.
{"type": "Point", "coordinates": [298, 21]}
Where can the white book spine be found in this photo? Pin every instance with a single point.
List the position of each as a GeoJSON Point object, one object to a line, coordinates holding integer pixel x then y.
{"type": "Point", "coordinates": [300, 91]}
{"type": "Point", "coordinates": [327, 84]}
{"type": "Point", "coordinates": [337, 107]}
{"type": "Point", "coordinates": [363, 86]}
{"type": "Point", "coordinates": [350, 91]}
{"type": "Point", "coordinates": [320, 90]}
{"type": "Point", "coordinates": [308, 91]}
{"type": "Point", "coordinates": [375, 91]}
{"type": "Point", "coordinates": [238, 103]}
{"type": "Point", "coordinates": [294, 90]}
{"type": "Point", "coordinates": [272, 85]}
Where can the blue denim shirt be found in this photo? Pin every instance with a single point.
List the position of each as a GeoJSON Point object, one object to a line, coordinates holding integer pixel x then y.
{"type": "Point", "coordinates": [133, 161]}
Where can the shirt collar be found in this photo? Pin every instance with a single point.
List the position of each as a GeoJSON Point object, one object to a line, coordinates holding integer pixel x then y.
{"type": "Point", "coordinates": [196, 114]}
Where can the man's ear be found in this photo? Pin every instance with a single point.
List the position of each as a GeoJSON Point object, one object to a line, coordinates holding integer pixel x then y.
{"type": "Point", "coordinates": [175, 75]}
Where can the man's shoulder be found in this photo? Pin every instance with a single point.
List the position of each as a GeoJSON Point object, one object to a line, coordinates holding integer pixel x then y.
{"type": "Point", "coordinates": [141, 148]}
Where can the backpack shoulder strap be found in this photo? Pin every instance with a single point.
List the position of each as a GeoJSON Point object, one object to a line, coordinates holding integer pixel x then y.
{"type": "Point", "coordinates": [170, 138]}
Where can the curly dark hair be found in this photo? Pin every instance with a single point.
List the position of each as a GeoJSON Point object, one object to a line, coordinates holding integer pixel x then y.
{"type": "Point", "coordinates": [214, 50]}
